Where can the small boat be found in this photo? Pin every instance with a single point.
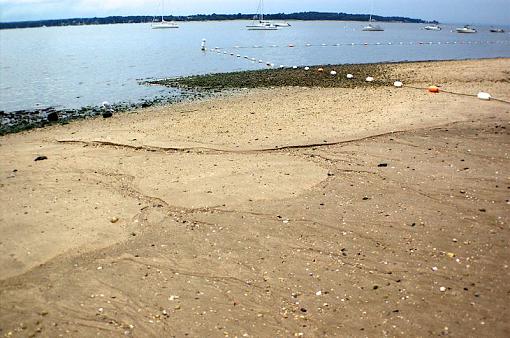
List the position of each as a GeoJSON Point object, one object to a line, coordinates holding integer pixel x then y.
{"type": "Point", "coordinates": [497, 30]}
{"type": "Point", "coordinates": [259, 24]}
{"type": "Point", "coordinates": [466, 29]}
{"type": "Point", "coordinates": [433, 28]}
{"type": "Point", "coordinates": [163, 24]}
{"type": "Point", "coordinates": [372, 27]}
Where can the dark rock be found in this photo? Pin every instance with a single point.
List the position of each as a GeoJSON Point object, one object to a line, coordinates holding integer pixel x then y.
{"type": "Point", "coordinates": [107, 114]}
{"type": "Point", "coordinates": [52, 117]}
{"type": "Point", "coordinates": [382, 165]}
{"type": "Point", "coordinates": [41, 158]}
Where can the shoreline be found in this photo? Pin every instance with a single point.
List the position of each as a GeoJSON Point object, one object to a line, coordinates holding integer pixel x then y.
{"type": "Point", "coordinates": [290, 211]}
{"type": "Point", "coordinates": [210, 85]}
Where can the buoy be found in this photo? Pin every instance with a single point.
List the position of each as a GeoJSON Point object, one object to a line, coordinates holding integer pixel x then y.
{"type": "Point", "coordinates": [291, 45]}
{"type": "Point", "coordinates": [320, 70]}
{"type": "Point", "coordinates": [369, 79]}
{"type": "Point", "coordinates": [433, 89]}
{"type": "Point", "coordinates": [333, 73]}
{"type": "Point", "coordinates": [398, 84]}
{"type": "Point", "coordinates": [260, 61]}
{"type": "Point", "coordinates": [307, 68]}
{"type": "Point", "coordinates": [203, 45]}
{"type": "Point", "coordinates": [238, 55]}
{"type": "Point", "coordinates": [484, 96]}
{"type": "Point", "coordinates": [350, 76]}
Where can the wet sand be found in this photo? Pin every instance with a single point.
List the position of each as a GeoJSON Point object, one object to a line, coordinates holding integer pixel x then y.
{"type": "Point", "coordinates": [274, 212]}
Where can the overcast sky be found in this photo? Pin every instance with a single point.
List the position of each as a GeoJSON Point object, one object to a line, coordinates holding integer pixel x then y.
{"type": "Point", "coordinates": [454, 11]}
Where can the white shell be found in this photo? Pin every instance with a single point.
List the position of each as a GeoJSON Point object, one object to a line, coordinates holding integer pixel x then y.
{"type": "Point", "coordinates": [484, 96]}
{"type": "Point", "coordinates": [398, 84]}
{"type": "Point", "coordinates": [307, 68]}
{"type": "Point", "coordinates": [333, 72]}
{"type": "Point", "coordinates": [350, 76]}
{"type": "Point", "coordinates": [369, 79]}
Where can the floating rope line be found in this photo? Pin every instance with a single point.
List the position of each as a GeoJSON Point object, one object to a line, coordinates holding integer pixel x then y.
{"type": "Point", "coordinates": [410, 43]}
{"type": "Point", "coordinates": [225, 51]}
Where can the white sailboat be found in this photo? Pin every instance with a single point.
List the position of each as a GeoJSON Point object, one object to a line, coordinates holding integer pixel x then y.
{"type": "Point", "coordinates": [163, 24]}
{"type": "Point", "coordinates": [372, 27]}
{"type": "Point", "coordinates": [259, 24]}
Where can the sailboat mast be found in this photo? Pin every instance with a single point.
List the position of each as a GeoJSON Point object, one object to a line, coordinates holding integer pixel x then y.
{"type": "Point", "coordinates": [261, 10]}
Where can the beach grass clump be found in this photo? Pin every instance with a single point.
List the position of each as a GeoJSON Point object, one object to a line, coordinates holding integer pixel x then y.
{"type": "Point", "coordinates": [286, 77]}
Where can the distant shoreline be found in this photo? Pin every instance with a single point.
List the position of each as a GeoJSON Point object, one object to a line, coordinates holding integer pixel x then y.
{"type": "Point", "coordinates": [303, 16]}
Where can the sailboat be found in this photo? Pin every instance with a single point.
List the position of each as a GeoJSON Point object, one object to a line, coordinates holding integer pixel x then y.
{"type": "Point", "coordinates": [372, 27]}
{"type": "Point", "coordinates": [258, 23]}
{"type": "Point", "coordinates": [163, 24]}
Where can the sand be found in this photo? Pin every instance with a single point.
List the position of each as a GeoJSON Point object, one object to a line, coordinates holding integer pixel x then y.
{"type": "Point", "coordinates": [273, 212]}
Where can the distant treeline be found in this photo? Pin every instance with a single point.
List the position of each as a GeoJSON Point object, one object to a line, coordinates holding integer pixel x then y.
{"type": "Point", "coordinates": [305, 16]}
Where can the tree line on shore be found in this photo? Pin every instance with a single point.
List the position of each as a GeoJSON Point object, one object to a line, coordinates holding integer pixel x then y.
{"type": "Point", "coordinates": [303, 16]}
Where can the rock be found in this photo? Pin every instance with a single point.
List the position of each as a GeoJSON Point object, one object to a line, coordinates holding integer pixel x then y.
{"type": "Point", "coordinates": [52, 117]}
{"type": "Point", "coordinates": [114, 219]}
{"type": "Point", "coordinates": [382, 165]}
{"type": "Point", "coordinates": [107, 114]}
{"type": "Point", "coordinates": [41, 158]}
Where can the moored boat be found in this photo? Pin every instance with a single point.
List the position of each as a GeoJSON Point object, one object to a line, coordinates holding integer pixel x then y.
{"type": "Point", "coordinates": [433, 28]}
{"type": "Point", "coordinates": [466, 29]}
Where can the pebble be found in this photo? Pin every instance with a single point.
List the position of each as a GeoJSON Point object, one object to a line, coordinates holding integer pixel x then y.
{"type": "Point", "coordinates": [114, 219]}
{"type": "Point", "coordinates": [318, 293]}
{"type": "Point", "coordinates": [442, 289]}
{"type": "Point", "coordinates": [434, 268]}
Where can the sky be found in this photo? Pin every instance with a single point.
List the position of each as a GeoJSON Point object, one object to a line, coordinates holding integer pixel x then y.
{"type": "Point", "coordinates": [448, 11]}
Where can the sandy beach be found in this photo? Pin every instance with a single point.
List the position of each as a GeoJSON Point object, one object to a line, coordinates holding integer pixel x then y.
{"type": "Point", "coordinates": [277, 212]}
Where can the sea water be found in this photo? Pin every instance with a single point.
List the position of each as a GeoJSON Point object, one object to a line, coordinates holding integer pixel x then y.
{"type": "Point", "coordinates": [74, 66]}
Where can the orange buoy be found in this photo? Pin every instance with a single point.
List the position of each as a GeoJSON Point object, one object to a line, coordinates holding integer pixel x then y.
{"type": "Point", "coordinates": [433, 89]}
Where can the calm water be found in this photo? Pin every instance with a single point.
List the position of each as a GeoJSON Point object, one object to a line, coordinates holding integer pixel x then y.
{"type": "Point", "coordinates": [69, 67]}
